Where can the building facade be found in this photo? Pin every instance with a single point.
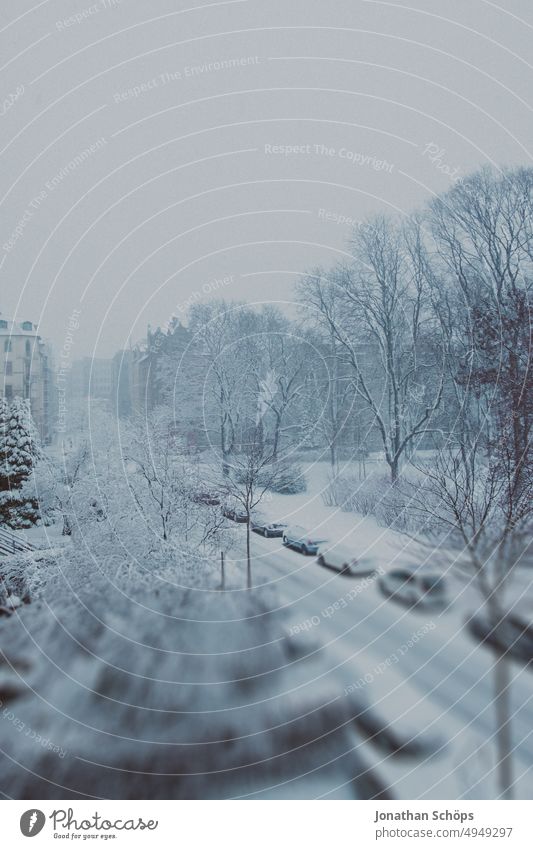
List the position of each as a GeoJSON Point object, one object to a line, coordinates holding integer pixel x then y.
{"type": "Point", "coordinates": [26, 370]}
{"type": "Point", "coordinates": [91, 377]}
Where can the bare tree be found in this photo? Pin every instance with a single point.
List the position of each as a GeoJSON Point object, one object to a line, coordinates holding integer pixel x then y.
{"type": "Point", "coordinates": [329, 379]}
{"type": "Point", "coordinates": [483, 233]}
{"type": "Point", "coordinates": [282, 367]}
{"type": "Point", "coordinates": [165, 484]}
{"type": "Point", "coordinates": [254, 472]}
{"type": "Point", "coordinates": [379, 311]}
{"type": "Point", "coordinates": [222, 331]}
{"type": "Point", "coordinates": [474, 501]}
{"type": "Point", "coordinates": [479, 487]}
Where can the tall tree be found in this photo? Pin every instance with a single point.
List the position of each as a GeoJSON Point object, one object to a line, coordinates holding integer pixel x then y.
{"type": "Point", "coordinates": [281, 370]}
{"type": "Point", "coordinates": [379, 310]}
{"type": "Point", "coordinates": [18, 505]}
{"type": "Point", "coordinates": [4, 469]}
{"type": "Point", "coordinates": [484, 236]}
{"type": "Point", "coordinates": [224, 334]}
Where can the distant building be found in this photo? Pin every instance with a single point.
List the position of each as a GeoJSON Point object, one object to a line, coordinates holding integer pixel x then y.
{"type": "Point", "coordinates": [26, 371]}
{"type": "Point", "coordinates": [91, 377]}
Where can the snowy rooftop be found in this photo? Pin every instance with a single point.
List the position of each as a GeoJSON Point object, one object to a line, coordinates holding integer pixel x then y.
{"type": "Point", "coordinates": [17, 328]}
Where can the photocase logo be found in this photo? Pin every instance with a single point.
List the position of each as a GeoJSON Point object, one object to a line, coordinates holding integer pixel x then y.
{"type": "Point", "coordinates": [32, 822]}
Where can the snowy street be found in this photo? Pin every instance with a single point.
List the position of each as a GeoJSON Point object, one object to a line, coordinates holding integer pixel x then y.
{"type": "Point", "coordinates": [444, 678]}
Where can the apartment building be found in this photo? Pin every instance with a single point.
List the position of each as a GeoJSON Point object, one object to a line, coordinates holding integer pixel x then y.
{"type": "Point", "coordinates": [91, 377]}
{"type": "Point", "coordinates": [26, 371]}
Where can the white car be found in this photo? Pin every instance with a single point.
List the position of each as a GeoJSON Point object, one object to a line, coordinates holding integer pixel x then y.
{"type": "Point", "coordinates": [414, 589]}
{"type": "Point", "coordinates": [302, 540]}
{"type": "Point", "coordinates": [268, 529]}
{"type": "Point", "coordinates": [341, 558]}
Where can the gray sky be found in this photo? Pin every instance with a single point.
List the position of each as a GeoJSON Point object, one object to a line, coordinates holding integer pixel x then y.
{"type": "Point", "coordinates": [144, 147]}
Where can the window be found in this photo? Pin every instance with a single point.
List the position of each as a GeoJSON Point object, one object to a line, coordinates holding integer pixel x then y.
{"type": "Point", "coordinates": [27, 325]}
{"type": "Point", "coordinates": [7, 346]}
{"type": "Point", "coordinates": [9, 368]}
{"type": "Point", "coordinates": [8, 391]}
{"type": "Point", "coordinates": [3, 324]}
{"type": "Point", "coordinates": [28, 348]}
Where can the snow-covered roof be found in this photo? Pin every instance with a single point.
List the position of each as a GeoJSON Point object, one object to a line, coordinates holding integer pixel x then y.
{"type": "Point", "coordinates": [17, 328]}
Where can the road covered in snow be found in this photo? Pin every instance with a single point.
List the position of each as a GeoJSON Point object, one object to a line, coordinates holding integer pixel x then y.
{"type": "Point", "coordinates": [419, 674]}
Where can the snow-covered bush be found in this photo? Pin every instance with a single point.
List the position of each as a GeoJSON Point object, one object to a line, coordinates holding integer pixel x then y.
{"type": "Point", "coordinates": [283, 478]}
{"type": "Point", "coordinates": [351, 494]}
{"type": "Point", "coordinates": [291, 481]}
{"type": "Point", "coordinates": [27, 575]}
{"type": "Point", "coordinates": [390, 504]}
{"type": "Point", "coordinates": [199, 692]}
{"type": "Point", "coordinates": [19, 453]}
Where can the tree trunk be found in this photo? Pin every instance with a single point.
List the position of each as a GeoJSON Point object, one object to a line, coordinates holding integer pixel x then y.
{"type": "Point", "coordinates": [276, 439]}
{"type": "Point", "coordinates": [333, 455]}
{"type": "Point", "coordinates": [394, 470]}
{"type": "Point", "coordinates": [502, 706]}
{"type": "Point", "coordinates": [225, 465]}
{"type": "Point", "coordinates": [517, 407]}
{"type": "Point", "coordinates": [225, 452]}
{"type": "Point", "coordinates": [248, 556]}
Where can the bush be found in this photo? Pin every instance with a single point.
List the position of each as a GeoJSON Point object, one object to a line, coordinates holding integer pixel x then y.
{"type": "Point", "coordinates": [15, 579]}
{"type": "Point", "coordinates": [375, 496]}
{"type": "Point", "coordinates": [18, 510]}
{"type": "Point", "coordinates": [290, 481]}
{"type": "Point", "coordinates": [351, 494]}
{"type": "Point", "coordinates": [177, 740]}
{"type": "Point", "coordinates": [285, 480]}
{"type": "Point", "coordinates": [27, 574]}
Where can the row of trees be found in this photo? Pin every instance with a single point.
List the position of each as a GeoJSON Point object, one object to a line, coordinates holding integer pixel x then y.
{"type": "Point", "coordinates": [422, 340]}
{"type": "Point", "coordinates": [444, 300]}
{"type": "Point", "coordinates": [406, 345]}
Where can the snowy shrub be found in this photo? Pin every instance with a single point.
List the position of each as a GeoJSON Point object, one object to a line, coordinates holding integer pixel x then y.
{"type": "Point", "coordinates": [19, 452]}
{"type": "Point", "coordinates": [351, 494]}
{"type": "Point", "coordinates": [290, 481]}
{"type": "Point", "coordinates": [27, 575]}
{"type": "Point", "coordinates": [283, 478]}
{"type": "Point", "coordinates": [390, 504]}
{"type": "Point", "coordinates": [13, 580]}
{"type": "Point", "coordinates": [197, 692]}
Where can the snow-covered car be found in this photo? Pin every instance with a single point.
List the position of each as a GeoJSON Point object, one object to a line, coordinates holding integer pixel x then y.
{"type": "Point", "coordinates": [307, 542]}
{"type": "Point", "coordinates": [268, 529]}
{"type": "Point", "coordinates": [512, 635]}
{"type": "Point", "coordinates": [341, 559]}
{"type": "Point", "coordinates": [422, 589]}
{"type": "Point", "coordinates": [209, 499]}
{"type": "Point", "coordinates": [236, 514]}
{"type": "Point", "coordinates": [413, 749]}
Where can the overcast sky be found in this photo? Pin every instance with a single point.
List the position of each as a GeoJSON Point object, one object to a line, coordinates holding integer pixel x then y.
{"type": "Point", "coordinates": [144, 145]}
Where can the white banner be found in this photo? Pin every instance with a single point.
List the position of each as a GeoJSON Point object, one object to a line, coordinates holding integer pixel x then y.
{"type": "Point", "coordinates": [237, 824]}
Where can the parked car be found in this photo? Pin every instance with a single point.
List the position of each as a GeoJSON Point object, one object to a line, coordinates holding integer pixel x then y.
{"type": "Point", "coordinates": [341, 559]}
{"type": "Point", "coordinates": [268, 529]}
{"type": "Point", "coordinates": [207, 498]}
{"type": "Point", "coordinates": [513, 634]}
{"type": "Point", "coordinates": [302, 540]}
{"type": "Point", "coordinates": [414, 589]}
{"type": "Point", "coordinates": [236, 514]}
